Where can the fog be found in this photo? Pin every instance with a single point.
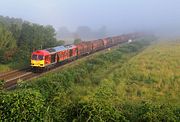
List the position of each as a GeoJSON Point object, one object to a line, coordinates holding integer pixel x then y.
{"type": "Point", "coordinates": [82, 32]}
{"type": "Point", "coordinates": [114, 16]}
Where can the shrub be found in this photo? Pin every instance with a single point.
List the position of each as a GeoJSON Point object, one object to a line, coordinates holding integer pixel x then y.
{"type": "Point", "coordinates": [157, 113]}
{"type": "Point", "coordinates": [24, 105]}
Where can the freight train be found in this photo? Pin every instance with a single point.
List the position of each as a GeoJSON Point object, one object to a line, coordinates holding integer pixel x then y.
{"type": "Point", "coordinates": [48, 58]}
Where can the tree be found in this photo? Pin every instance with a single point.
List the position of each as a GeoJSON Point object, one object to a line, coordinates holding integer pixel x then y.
{"type": "Point", "coordinates": [78, 40]}
{"type": "Point", "coordinates": [26, 37]}
{"type": "Point", "coordinates": [60, 42]}
{"type": "Point", "coordinates": [49, 36]}
{"type": "Point", "coordinates": [7, 45]}
{"type": "Point", "coordinates": [6, 39]}
{"type": "Point", "coordinates": [36, 36]}
{"type": "Point", "coordinates": [15, 29]}
{"type": "Point", "coordinates": [19, 38]}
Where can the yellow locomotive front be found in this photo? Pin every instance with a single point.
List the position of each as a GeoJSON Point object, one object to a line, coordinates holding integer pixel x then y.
{"type": "Point", "coordinates": [38, 59]}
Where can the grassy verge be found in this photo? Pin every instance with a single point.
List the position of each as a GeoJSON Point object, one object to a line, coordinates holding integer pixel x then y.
{"type": "Point", "coordinates": [4, 68]}
{"type": "Point", "coordinates": [13, 66]}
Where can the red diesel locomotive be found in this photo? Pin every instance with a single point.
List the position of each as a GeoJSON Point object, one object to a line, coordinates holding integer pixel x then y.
{"type": "Point", "coordinates": [47, 58]}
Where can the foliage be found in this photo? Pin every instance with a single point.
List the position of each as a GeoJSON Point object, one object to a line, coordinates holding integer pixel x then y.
{"type": "Point", "coordinates": [60, 42]}
{"type": "Point", "coordinates": [148, 111]}
{"type": "Point", "coordinates": [78, 40]}
{"type": "Point", "coordinates": [7, 45]}
{"type": "Point", "coordinates": [23, 105]}
{"type": "Point", "coordinates": [1, 84]}
{"type": "Point", "coordinates": [155, 70]}
{"type": "Point", "coordinates": [93, 111]}
{"type": "Point", "coordinates": [114, 85]}
{"type": "Point", "coordinates": [19, 38]}
{"type": "Point", "coordinates": [158, 113]}
{"type": "Point", "coordinates": [36, 36]}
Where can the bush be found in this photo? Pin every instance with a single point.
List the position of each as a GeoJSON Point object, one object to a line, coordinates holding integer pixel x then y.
{"type": "Point", "coordinates": [149, 112]}
{"type": "Point", "coordinates": [24, 105]}
{"type": "Point", "coordinates": [157, 113]}
{"type": "Point", "coordinates": [93, 112]}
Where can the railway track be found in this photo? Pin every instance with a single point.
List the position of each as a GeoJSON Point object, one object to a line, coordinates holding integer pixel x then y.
{"type": "Point", "coordinates": [14, 73]}
{"type": "Point", "coordinates": [11, 83]}
{"type": "Point", "coordinates": [11, 78]}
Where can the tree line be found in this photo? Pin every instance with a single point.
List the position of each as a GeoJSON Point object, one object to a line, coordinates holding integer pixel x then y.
{"type": "Point", "coordinates": [19, 38]}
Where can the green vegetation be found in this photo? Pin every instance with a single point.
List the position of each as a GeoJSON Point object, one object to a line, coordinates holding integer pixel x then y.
{"type": "Point", "coordinates": [134, 82]}
{"type": "Point", "coordinates": [78, 40]}
{"type": "Point", "coordinates": [154, 74]}
{"type": "Point", "coordinates": [24, 105]}
{"type": "Point", "coordinates": [19, 38]}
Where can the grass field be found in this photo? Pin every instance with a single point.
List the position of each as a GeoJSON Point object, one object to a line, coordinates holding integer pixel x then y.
{"type": "Point", "coordinates": [152, 75]}
{"type": "Point", "coordinates": [135, 82]}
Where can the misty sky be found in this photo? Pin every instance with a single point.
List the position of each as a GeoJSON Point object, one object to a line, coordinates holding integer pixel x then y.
{"type": "Point", "coordinates": [114, 14]}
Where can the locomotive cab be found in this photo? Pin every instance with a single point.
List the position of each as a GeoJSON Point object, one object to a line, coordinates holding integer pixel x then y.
{"type": "Point", "coordinates": [38, 59]}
